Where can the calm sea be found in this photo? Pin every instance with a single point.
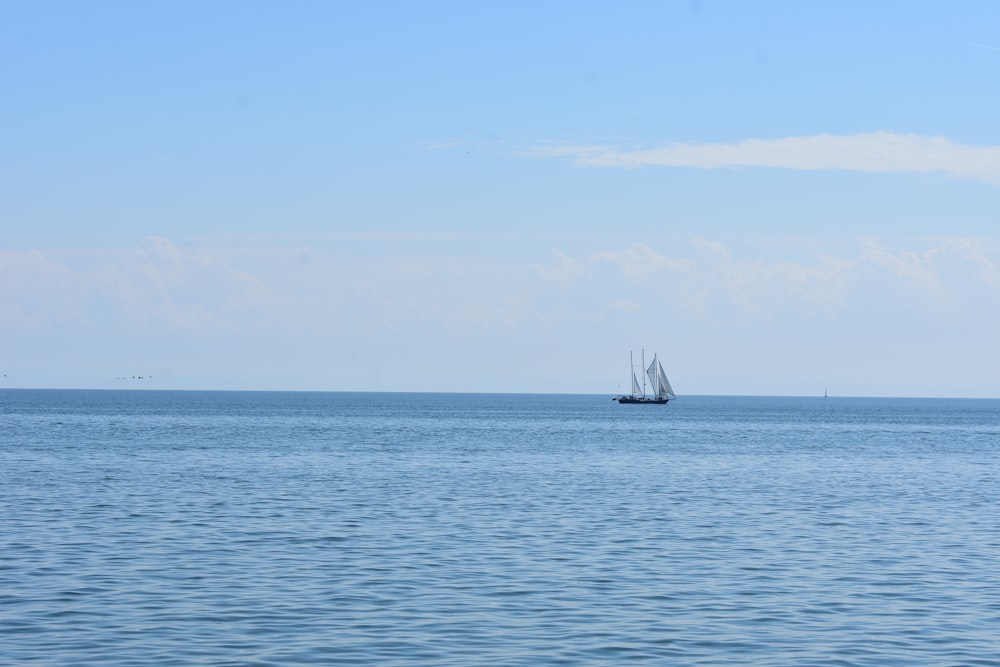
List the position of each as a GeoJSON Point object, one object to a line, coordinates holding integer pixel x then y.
{"type": "Point", "coordinates": [218, 528]}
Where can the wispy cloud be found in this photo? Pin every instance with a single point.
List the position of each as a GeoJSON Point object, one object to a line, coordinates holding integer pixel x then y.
{"type": "Point", "coordinates": [156, 284]}
{"type": "Point", "coordinates": [162, 286]}
{"type": "Point", "coordinates": [874, 152]}
{"type": "Point", "coordinates": [29, 283]}
{"type": "Point", "coordinates": [184, 288]}
{"type": "Point", "coordinates": [916, 269]}
{"type": "Point", "coordinates": [985, 47]}
{"type": "Point", "coordinates": [200, 311]}
{"type": "Point", "coordinates": [943, 276]}
{"type": "Point", "coordinates": [253, 242]}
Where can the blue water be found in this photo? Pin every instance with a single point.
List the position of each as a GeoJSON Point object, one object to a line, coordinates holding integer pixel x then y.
{"type": "Point", "coordinates": [182, 528]}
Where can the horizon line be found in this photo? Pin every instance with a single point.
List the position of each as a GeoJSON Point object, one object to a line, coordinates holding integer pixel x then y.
{"type": "Point", "coordinates": [486, 393]}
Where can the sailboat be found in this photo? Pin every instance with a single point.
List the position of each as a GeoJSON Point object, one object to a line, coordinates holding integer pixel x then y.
{"type": "Point", "coordinates": [662, 391]}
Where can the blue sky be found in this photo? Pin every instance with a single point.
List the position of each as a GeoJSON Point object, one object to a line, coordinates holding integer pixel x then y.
{"type": "Point", "coordinates": [776, 197]}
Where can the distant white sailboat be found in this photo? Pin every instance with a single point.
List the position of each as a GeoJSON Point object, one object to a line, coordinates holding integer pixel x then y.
{"type": "Point", "coordinates": [662, 391]}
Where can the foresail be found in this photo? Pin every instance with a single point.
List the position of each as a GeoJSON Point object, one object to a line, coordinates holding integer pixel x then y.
{"type": "Point", "coordinates": [664, 383]}
{"type": "Point", "coordinates": [635, 384]}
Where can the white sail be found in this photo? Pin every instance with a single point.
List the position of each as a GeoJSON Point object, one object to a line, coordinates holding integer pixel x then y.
{"type": "Point", "coordinates": [651, 374]}
{"type": "Point", "coordinates": [664, 383]}
{"type": "Point", "coordinates": [635, 385]}
{"type": "Point", "coordinates": [661, 385]}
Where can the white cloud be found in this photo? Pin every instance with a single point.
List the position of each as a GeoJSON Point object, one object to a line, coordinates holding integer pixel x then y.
{"type": "Point", "coordinates": [183, 288]}
{"type": "Point", "coordinates": [31, 284]}
{"type": "Point", "coordinates": [163, 286]}
{"type": "Point", "coordinates": [157, 283]}
{"type": "Point", "coordinates": [874, 152]}
{"type": "Point", "coordinates": [625, 306]}
{"type": "Point", "coordinates": [566, 270]}
{"type": "Point", "coordinates": [637, 262]}
{"type": "Point", "coordinates": [710, 274]}
{"type": "Point", "coordinates": [953, 273]}
{"type": "Point", "coordinates": [731, 299]}
{"type": "Point", "coordinates": [917, 269]}
{"type": "Point", "coordinates": [972, 250]}
{"type": "Point", "coordinates": [758, 286]}
{"type": "Point", "coordinates": [709, 277]}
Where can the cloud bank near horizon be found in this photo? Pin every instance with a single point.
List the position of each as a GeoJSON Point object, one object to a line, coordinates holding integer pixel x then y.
{"type": "Point", "coordinates": [198, 314]}
{"type": "Point", "coordinates": [873, 152]}
{"type": "Point", "coordinates": [162, 284]}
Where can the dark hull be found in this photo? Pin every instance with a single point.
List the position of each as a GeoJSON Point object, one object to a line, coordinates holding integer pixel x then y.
{"type": "Point", "coordinates": [640, 399]}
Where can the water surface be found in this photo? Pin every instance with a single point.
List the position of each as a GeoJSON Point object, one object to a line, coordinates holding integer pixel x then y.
{"type": "Point", "coordinates": [145, 527]}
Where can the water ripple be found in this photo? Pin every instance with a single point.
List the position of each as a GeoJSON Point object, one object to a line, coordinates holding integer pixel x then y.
{"type": "Point", "coordinates": [446, 530]}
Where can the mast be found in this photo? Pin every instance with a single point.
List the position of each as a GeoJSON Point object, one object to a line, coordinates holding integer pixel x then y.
{"type": "Point", "coordinates": [631, 371]}
{"type": "Point", "coordinates": [654, 379]}
{"type": "Point", "coordinates": [644, 372]}
{"type": "Point", "coordinates": [659, 378]}
{"type": "Point", "coordinates": [656, 385]}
